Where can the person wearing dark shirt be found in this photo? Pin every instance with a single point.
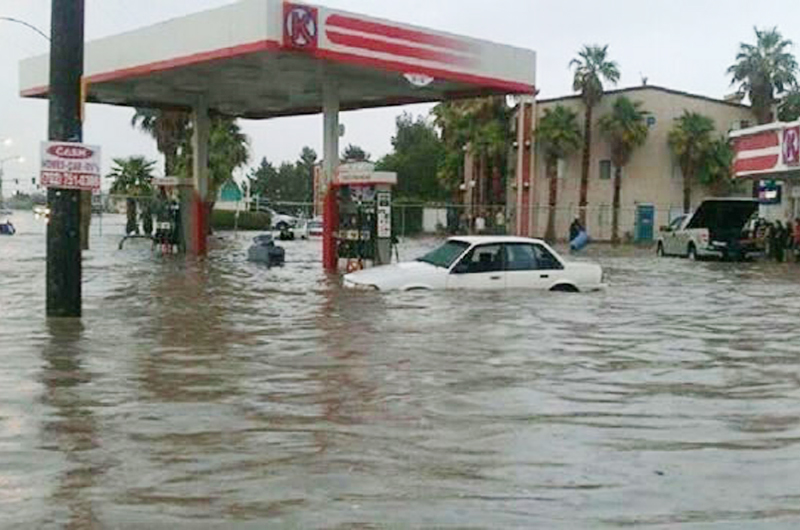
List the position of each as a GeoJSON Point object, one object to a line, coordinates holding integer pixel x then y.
{"type": "Point", "coordinates": [575, 229]}
{"type": "Point", "coordinates": [778, 241]}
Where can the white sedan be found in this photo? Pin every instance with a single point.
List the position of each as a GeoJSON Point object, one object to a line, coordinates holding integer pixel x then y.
{"type": "Point", "coordinates": [483, 263]}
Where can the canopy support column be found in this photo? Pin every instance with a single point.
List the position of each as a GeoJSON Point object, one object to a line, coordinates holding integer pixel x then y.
{"type": "Point", "coordinates": [200, 205]}
{"type": "Point", "coordinates": [330, 150]}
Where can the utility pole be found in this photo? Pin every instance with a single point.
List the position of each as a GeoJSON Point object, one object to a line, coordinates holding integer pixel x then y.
{"type": "Point", "coordinates": [63, 231]}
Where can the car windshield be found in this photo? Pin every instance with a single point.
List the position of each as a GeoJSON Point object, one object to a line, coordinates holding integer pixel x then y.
{"type": "Point", "coordinates": [445, 255]}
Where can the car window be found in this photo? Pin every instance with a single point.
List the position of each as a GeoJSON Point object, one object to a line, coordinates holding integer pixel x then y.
{"type": "Point", "coordinates": [545, 260]}
{"type": "Point", "coordinates": [520, 257]}
{"type": "Point", "coordinates": [676, 224]}
{"type": "Point", "coordinates": [485, 258]}
{"type": "Point", "coordinates": [445, 255]}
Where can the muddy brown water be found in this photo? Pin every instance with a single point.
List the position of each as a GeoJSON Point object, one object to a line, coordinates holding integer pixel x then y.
{"type": "Point", "coordinates": [222, 394]}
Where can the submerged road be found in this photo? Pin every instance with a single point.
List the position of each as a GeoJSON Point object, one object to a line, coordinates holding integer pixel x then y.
{"type": "Point", "coordinates": [222, 394]}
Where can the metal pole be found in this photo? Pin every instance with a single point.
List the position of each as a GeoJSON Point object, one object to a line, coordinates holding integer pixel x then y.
{"type": "Point", "coordinates": [63, 230]}
{"type": "Point", "coordinates": [330, 144]}
{"type": "Point", "coordinates": [202, 128]}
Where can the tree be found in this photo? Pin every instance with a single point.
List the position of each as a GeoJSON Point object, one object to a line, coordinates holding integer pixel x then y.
{"type": "Point", "coordinates": [592, 67]}
{"type": "Point", "coordinates": [481, 127]}
{"type": "Point", "coordinates": [286, 183]}
{"type": "Point", "coordinates": [559, 136]}
{"type": "Point", "coordinates": [789, 109]}
{"type": "Point", "coordinates": [716, 172]}
{"type": "Point", "coordinates": [690, 141]}
{"type": "Point", "coordinates": [416, 157]}
{"type": "Point", "coordinates": [305, 168]}
{"type": "Point", "coordinates": [262, 180]}
{"type": "Point", "coordinates": [169, 128]}
{"type": "Point", "coordinates": [454, 132]}
{"type": "Point", "coordinates": [353, 153]}
{"type": "Point", "coordinates": [133, 178]}
{"type": "Point", "coordinates": [228, 150]}
{"type": "Point", "coordinates": [626, 129]}
{"type": "Point", "coordinates": [765, 70]}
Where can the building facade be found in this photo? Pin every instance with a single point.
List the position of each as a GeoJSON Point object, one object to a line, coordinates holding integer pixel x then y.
{"type": "Point", "coordinates": [652, 183]}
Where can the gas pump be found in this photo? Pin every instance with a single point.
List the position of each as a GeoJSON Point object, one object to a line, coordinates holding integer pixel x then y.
{"type": "Point", "coordinates": [362, 230]}
{"type": "Point", "coordinates": [169, 209]}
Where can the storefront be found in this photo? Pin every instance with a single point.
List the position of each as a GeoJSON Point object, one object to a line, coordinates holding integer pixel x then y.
{"type": "Point", "coordinates": [769, 155]}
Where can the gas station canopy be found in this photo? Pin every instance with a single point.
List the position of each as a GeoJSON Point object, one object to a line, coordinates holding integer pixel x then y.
{"type": "Point", "coordinates": [267, 58]}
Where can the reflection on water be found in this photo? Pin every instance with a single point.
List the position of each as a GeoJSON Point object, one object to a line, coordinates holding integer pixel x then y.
{"type": "Point", "coordinates": [218, 393]}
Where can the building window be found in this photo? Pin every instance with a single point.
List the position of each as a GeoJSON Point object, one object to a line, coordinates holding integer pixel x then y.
{"type": "Point", "coordinates": [605, 170]}
{"type": "Point", "coordinates": [651, 121]}
{"type": "Point", "coordinates": [744, 124]}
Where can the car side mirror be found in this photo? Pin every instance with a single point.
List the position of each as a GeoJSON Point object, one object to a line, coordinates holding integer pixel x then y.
{"type": "Point", "coordinates": [461, 268]}
{"type": "Point", "coordinates": [666, 229]}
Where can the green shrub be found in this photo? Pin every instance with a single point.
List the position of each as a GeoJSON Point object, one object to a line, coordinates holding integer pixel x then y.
{"type": "Point", "coordinates": [226, 220]}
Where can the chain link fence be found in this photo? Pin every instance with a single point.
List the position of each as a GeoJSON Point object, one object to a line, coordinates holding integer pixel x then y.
{"type": "Point", "coordinates": [639, 224]}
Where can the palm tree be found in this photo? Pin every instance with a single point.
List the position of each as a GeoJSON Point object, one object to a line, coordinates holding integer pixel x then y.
{"type": "Point", "coordinates": [479, 126]}
{"type": "Point", "coordinates": [132, 178]}
{"type": "Point", "coordinates": [559, 136]}
{"type": "Point", "coordinates": [690, 141]}
{"type": "Point", "coordinates": [764, 71]}
{"type": "Point", "coordinates": [717, 171]}
{"type": "Point", "coordinates": [490, 119]}
{"type": "Point", "coordinates": [228, 150]}
{"type": "Point", "coordinates": [170, 130]}
{"type": "Point", "coordinates": [451, 121]}
{"type": "Point", "coordinates": [789, 109]}
{"type": "Point", "coordinates": [626, 129]}
{"type": "Point", "coordinates": [592, 67]}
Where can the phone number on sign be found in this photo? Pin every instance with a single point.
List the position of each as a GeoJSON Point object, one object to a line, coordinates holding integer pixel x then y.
{"type": "Point", "coordinates": [79, 181]}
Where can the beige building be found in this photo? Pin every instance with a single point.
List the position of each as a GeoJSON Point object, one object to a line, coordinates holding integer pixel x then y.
{"type": "Point", "coordinates": [652, 182]}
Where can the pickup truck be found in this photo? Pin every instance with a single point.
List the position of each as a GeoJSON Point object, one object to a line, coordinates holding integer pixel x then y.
{"type": "Point", "coordinates": [715, 230]}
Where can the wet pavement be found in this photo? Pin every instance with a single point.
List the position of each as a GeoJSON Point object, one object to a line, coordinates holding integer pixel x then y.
{"type": "Point", "coordinates": [218, 393]}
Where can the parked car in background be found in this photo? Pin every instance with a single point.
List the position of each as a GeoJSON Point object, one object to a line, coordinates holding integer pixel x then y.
{"type": "Point", "coordinates": [488, 262]}
{"type": "Point", "coordinates": [278, 220]}
{"type": "Point", "coordinates": [313, 228]}
{"type": "Point", "coordinates": [716, 230]}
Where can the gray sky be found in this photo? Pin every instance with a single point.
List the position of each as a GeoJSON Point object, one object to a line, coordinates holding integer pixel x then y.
{"type": "Point", "coordinates": [680, 44]}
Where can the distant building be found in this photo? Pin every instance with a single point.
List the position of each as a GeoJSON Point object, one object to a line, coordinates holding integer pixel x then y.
{"type": "Point", "coordinates": [230, 197]}
{"type": "Point", "coordinates": [652, 182]}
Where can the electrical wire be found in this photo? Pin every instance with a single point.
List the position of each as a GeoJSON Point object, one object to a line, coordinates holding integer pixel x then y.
{"type": "Point", "coordinates": [31, 26]}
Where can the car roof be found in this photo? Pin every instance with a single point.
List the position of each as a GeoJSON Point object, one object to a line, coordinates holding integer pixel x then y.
{"type": "Point", "coordinates": [474, 240]}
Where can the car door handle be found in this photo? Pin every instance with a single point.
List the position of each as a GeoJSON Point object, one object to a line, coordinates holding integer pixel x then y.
{"type": "Point", "coordinates": [544, 276]}
{"type": "Point", "coordinates": [495, 277]}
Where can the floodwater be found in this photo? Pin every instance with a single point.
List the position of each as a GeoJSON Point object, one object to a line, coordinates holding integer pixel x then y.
{"type": "Point", "coordinates": [221, 394]}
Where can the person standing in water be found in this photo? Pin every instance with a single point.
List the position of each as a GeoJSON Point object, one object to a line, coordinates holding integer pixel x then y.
{"type": "Point", "coordinates": [575, 230]}
{"type": "Point", "coordinates": [778, 241]}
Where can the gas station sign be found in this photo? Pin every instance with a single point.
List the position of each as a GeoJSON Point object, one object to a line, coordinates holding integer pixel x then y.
{"type": "Point", "coordinates": [300, 27]}
{"type": "Point", "coordinates": [72, 166]}
{"type": "Point", "coordinates": [363, 174]}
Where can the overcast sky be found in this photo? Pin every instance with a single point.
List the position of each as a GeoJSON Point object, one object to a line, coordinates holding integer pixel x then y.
{"type": "Point", "coordinates": [681, 44]}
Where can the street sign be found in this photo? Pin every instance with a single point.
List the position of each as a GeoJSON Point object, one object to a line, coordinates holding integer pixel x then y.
{"type": "Point", "coordinates": [70, 166]}
{"type": "Point", "coordinates": [791, 146]}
